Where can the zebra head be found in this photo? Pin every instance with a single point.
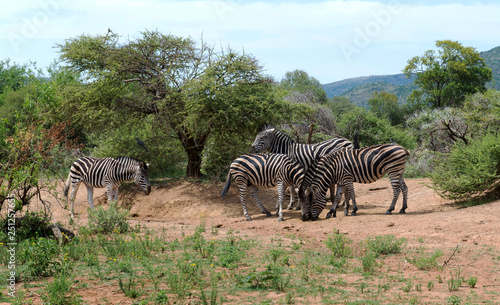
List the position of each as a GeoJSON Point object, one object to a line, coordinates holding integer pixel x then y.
{"type": "Point", "coordinates": [141, 177]}
{"type": "Point", "coordinates": [263, 140]}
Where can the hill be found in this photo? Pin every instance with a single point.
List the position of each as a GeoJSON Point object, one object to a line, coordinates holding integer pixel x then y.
{"type": "Point", "coordinates": [492, 59]}
{"type": "Point", "coordinates": [360, 89]}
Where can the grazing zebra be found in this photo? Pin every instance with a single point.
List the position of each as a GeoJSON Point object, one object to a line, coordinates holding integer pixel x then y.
{"type": "Point", "coordinates": [364, 165]}
{"type": "Point", "coordinates": [107, 172]}
{"type": "Point", "coordinates": [275, 141]}
{"type": "Point", "coordinates": [263, 170]}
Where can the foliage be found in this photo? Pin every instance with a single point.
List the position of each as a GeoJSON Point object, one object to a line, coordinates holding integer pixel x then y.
{"type": "Point", "coordinates": [385, 244]}
{"type": "Point", "coordinates": [188, 88]}
{"type": "Point", "coordinates": [39, 257]}
{"type": "Point", "coordinates": [299, 81]}
{"type": "Point", "coordinates": [385, 106]}
{"type": "Point", "coordinates": [425, 261]}
{"type": "Point", "coordinates": [445, 79]}
{"type": "Point", "coordinates": [30, 225]}
{"type": "Point", "coordinates": [28, 155]}
{"type": "Point", "coordinates": [468, 170]}
{"type": "Point", "coordinates": [372, 130]}
{"type": "Point", "coordinates": [339, 245]}
{"type": "Point", "coordinates": [108, 220]}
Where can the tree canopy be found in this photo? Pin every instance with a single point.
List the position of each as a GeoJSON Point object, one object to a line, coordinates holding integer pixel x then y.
{"type": "Point", "coordinates": [186, 87]}
{"type": "Point", "coordinates": [447, 77]}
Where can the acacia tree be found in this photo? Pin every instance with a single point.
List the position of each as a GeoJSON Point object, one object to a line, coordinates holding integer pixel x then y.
{"type": "Point", "coordinates": [187, 87]}
{"type": "Point", "coordinates": [447, 77]}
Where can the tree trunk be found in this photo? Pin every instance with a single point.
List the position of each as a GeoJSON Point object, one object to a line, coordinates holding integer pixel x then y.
{"type": "Point", "coordinates": [194, 148]}
{"type": "Point", "coordinates": [193, 169]}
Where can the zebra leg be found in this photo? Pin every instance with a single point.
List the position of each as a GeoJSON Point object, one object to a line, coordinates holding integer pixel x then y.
{"type": "Point", "coordinates": [349, 195]}
{"type": "Point", "coordinates": [404, 189]}
{"type": "Point", "coordinates": [292, 197]}
{"type": "Point", "coordinates": [281, 192]}
{"type": "Point", "coordinates": [115, 193]}
{"type": "Point", "coordinates": [335, 202]}
{"type": "Point", "coordinates": [74, 189]}
{"type": "Point", "coordinates": [396, 188]}
{"type": "Point", "coordinates": [90, 196]}
{"type": "Point", "coordinates": [243, 195]}
{"type": "Point", "coordinates": [253, 194]}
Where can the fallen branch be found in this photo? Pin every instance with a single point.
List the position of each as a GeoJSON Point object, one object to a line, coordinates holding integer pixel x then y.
{"type": "Point", "coordinates": [448, 260]}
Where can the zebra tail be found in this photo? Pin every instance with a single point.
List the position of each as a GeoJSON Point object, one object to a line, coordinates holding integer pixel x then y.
{"type": "Point", "coordinates": [226, 187]}
{"type": "Point", "coordinates": [66, 186]}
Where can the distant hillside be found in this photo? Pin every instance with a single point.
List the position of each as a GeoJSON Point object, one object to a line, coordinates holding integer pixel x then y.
{"type": "Point", "coordinates": [340, 87]}
{"type": "Point", "coordinates": [360, 89]}
{"type": "Point", "coordinates": [360, 95]}
{"type": "Point", "coordinates": [492, 59]}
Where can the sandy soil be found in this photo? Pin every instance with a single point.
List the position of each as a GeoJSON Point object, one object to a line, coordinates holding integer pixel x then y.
{"type": "Point", "coordinates": [440, 224]}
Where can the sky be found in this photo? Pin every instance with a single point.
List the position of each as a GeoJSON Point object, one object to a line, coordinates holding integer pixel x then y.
{"type": "Point", "coordinates": [330, 40]}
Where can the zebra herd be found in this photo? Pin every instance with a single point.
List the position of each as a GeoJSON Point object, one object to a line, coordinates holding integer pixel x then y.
{"type": "Point", "coordinates": [315, 168]}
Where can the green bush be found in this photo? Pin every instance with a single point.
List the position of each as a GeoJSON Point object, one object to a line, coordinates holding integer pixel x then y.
{"type": "Point", "coordinates": [39, 257]}
{"type": "Point", "coordinates": [340, 245]}
{"type": "Point", "coordinates": [385, 244]}
{"type": "Point", "coordinates": [468, 170]}
{"type": "Point", "coordinates": [31, 225]}
{"type": "Point", "coordinates": [108, 220]}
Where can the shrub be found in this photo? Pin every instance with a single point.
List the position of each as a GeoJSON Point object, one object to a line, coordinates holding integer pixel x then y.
{"type": "Point", "coordinates": [39, 257]}
{"type": "Point", "coordinates": [426, 261]}
{"type": "Point", "coordinates": [108, 220]}
{"type": "Point", "coordinates": [31, 225]}
{"type": "Point", "coordinates": [385, 244]}
{"type": "Point", "coordinates": [468, 170]}
{"type": "Point", "coordinates": [340, 245]}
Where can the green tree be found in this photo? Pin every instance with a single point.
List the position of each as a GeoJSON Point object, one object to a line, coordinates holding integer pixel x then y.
{"type": "Point", "coordinates": [187, 87]}
{"type": "Point", "coordinates": [447, 77]}
{"type": "Point", "coordinates": [385, 105]}
{"type": "Point", "coordinates": [299, 81]}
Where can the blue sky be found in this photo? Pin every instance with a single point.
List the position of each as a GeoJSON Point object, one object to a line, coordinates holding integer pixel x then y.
{"type": "Point", "coordinates": [330, 40]}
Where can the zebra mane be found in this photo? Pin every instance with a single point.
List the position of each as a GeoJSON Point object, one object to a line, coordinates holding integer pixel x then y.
{"type": "Point", "coordinates": [125, 158]}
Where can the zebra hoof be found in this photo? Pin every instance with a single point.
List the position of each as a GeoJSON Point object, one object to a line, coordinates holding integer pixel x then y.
{"type": "Point", "coordinates": [402, 211]}
{"type": "Point", "coordinates": [297, 208]}
{"type": "Point", "coordinates": [388, 212]}
{"type": "Point", "coordinates": [249, 219]}
{"type": "Point", "coordinates": [353, 214]}
{"type": "Point", "coordinates": [328, 215]}
{"type": "Point", "coordinates": [314, 218]}
{"type": "Point", "coordinates": [280, 218]}
{"type": "Point", "coordinates": [268, 214]}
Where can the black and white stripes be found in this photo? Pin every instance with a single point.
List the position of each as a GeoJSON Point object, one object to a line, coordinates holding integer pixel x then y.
{"type": "Point", "coordinates": [107, 172]}
{"type": "Point", "coordinates": [263, 170]}
{"type": "Point", "coordinates": [343, 167]}
{"type": "Point", "coordinates": [272, 140]}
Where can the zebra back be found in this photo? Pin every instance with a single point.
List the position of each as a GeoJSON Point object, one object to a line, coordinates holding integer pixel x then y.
{"type": "Point", "coordinates": [307, 153]}
{"type": "Point", "coordinates": [266, 170]}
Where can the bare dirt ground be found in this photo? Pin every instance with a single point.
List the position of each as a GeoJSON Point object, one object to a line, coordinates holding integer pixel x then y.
{"type": "Point", "coordinates": [429, 221]}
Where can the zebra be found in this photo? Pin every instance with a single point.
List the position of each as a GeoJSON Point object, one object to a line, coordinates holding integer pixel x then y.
{"type": "Point", "coordinates": [274, 141]}
{"type": "Point", "coordinates": [263, 170]}
{"type": "Point", "coordinates": [107, 172]}
{"type": "Point", "coordinates": [343, 167]}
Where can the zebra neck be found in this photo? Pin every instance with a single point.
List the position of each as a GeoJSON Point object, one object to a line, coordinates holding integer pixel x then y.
{"type": "Point", "coordinates": [281, 143]}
